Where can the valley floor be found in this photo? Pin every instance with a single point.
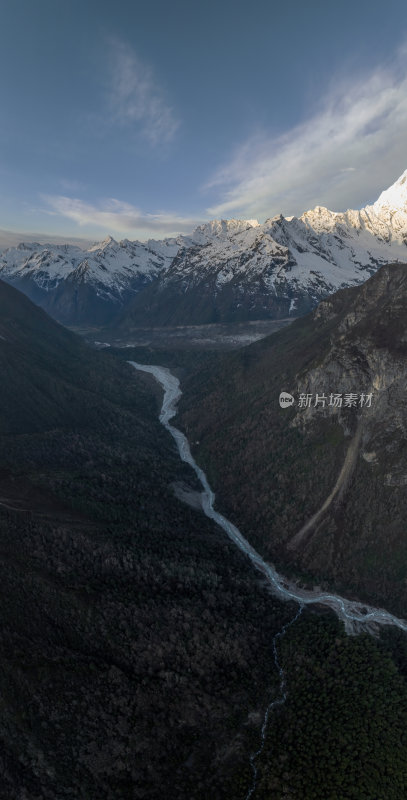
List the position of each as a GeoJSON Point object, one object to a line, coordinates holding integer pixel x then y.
{"type": "Point", "coordinates": [220, 336]}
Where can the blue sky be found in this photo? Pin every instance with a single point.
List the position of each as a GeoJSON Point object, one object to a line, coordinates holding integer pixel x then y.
{"type": "Point", "coordinates": [142, 120]}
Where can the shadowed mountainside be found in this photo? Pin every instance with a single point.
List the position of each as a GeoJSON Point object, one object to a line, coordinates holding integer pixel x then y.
{"type": "Point", "coordinates": [135, 640]}
{"type": "Point", "coordinates": [134, 637]}
{"type": "Point", "coordinates": [274, 468]}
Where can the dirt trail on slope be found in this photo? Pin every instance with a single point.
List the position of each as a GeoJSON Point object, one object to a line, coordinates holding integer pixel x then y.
{"type": "Point", "coordinates": [337, 491]}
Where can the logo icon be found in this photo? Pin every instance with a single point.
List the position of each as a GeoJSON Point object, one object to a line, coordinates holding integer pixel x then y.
{"type": "Point", "coordinates": [285, 400]}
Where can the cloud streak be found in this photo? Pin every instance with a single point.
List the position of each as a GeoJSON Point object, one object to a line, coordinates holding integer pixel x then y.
{"type": "Point", "coordinates": [116, 216]}
{"type": "Point", "coordinates": [341, 155]}
{"type": "Point", "coordinates": [135, 97]}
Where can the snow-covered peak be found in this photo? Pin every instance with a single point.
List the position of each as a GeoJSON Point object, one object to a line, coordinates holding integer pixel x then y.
{"type": "Point", "coordinates": [395, 197]}
{"type": "Point", "coordinates": [272, 220]}
{"type": "Point", "coordinates": [320, 219]}
{"type": "Point", "coordinates": [107, 242]}
{"type": "Point", "coordinates": [110, 264]}
{"type": "Point", "coordinates": [25, 246]}
{"type": "Point", "coordinates": [221, 229]}
{"type": "Point", "coordinates": [292, 257]}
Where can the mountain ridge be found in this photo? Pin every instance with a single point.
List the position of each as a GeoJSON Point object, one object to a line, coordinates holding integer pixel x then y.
{"type": "Point", "coordinates": [226, 270]}
{"type": "Point", "coordinates": [274, 469]}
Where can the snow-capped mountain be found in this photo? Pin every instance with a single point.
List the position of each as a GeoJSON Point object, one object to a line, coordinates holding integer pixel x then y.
{"type": "Point", "coordinates": [225, 270]}
{"type": "Point", "coordinates": [85, 286]}
{"type": "Point", "coordinates": [280, 268]}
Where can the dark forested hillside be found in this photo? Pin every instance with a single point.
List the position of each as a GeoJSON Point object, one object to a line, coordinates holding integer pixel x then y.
{"type": "Point", "coordinates": [136, 655]}
{"type": "Point", "coordinates": [134, 639]}
{"type": "Point", "coordinates": [274, 467]}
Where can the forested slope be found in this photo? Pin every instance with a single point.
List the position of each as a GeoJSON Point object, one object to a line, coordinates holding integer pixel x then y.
{"type": "Point", "coordinates": [135, 640]}
{"type": "Point", "coordinates": [274, 468]}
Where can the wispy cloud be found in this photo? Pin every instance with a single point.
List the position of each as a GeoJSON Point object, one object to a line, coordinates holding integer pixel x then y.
{"type": "Point", "coordinates": [116, 216]}
{"type": "Point", "coordinates": [136, 98]}
{"type": "Point", "coordinates": [341, 156]}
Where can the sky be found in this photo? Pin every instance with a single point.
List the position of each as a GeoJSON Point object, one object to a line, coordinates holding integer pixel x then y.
{"type": "Point", "coordinates": [142, 120]}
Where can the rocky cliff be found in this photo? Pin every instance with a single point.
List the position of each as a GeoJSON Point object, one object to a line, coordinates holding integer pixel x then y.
{"type": "Point", "coordinates": [318, 485]}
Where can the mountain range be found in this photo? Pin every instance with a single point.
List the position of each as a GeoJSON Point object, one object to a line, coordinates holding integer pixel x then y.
{"type": "Point", "coordinates": [226, 270]}
{"type": "Point", "coordinates": [85, 286]}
